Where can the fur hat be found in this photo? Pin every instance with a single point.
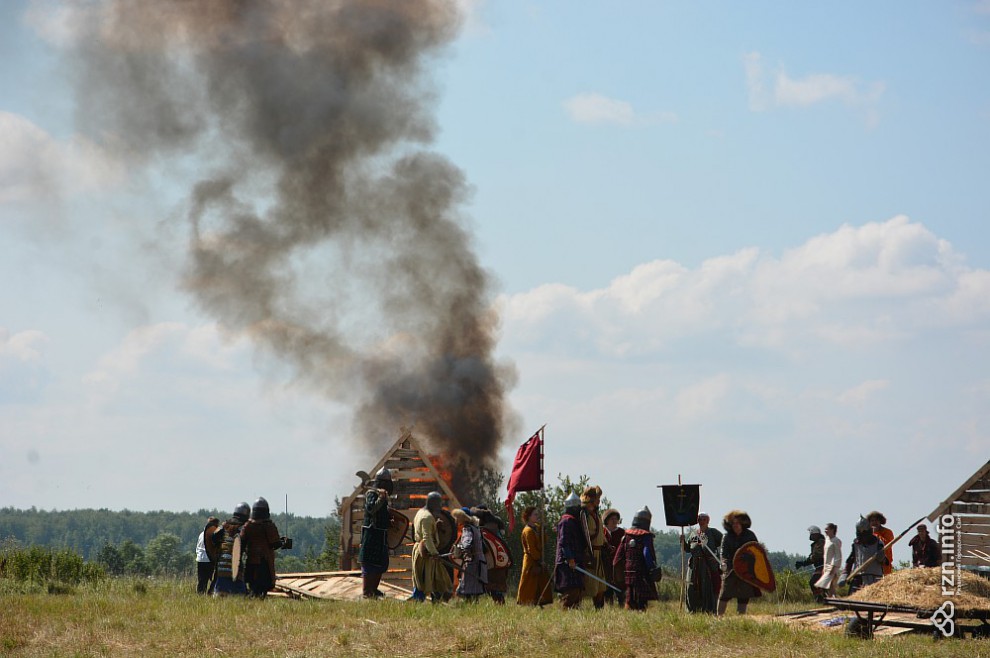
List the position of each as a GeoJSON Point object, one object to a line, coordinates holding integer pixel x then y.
{"type": "Point", "coordinates": [731, 516]}
{"type": "Point", "coordinates": [463, 518]}
{"type": "Point", "coordinates": [876, 515]}
{"type": "Point", "coordinates": [610, 512]}
{"type": "Point", "coordinates": [592, 494]}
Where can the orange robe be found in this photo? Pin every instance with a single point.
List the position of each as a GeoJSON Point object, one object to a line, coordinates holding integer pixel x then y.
{"type": "Point", "coordinates": [533, 578]}
{"type": "Point", "coordinates": [886, 535]}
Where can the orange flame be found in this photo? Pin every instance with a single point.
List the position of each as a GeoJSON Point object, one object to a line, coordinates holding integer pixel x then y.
{"type": "Point", "coordinates": [439, 463]}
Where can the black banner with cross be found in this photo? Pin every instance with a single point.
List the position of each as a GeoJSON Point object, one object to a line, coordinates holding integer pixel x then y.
{"type": "Point", "coordinates": [680, 503]}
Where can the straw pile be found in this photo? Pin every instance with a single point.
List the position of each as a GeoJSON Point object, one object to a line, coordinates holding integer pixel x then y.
{"type": "Point", "coordinates": [922, 588]}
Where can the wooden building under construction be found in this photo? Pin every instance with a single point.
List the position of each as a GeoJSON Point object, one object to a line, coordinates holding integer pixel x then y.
{"type": "Point", "coordinates": [970, 507]}
{"type": "Point", "coordinates": [414, 474]}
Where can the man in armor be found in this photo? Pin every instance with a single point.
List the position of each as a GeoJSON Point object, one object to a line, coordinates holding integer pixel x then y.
{"type": "Point", "coordinates": [704, 581]}
{"type": "Point", "coordinates": [865, 547]}
{"type": "Point", "coordinates": [225, 537]}
{"type": "Point", "coordinates": [572, 551]}
{"type": "Point", "coordinates": [638, 559]}
{"type": "Point", "coordinates": [373, 555]}
{"type": "Point", "coordinates": [815, 559]}
{"type": "Point", "coordinates": [594, 533]}
{"type": "Point", "coordinates": [260, 539]}
{"type": "Point", "coordinates": [428, 573]}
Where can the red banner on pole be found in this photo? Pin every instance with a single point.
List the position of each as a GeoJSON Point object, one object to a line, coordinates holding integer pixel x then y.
{"type": "Point", "coordinates": [527, 472]}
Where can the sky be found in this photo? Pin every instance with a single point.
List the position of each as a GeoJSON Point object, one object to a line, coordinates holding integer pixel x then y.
{"type": "Point", "coordinates": [745, 244]}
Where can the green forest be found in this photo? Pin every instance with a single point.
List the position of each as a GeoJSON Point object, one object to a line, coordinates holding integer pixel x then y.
{"type": "Point", "coordinates": [147, 543]}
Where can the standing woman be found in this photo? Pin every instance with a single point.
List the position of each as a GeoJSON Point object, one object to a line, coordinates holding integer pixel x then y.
{"type": "Point", "coordinates": [737, 533]}
{"type": "Point", "coordinates": [533, 578]}
{"type": "Point", "coordinates": [469, 548]}
{"type": "Point", "coordinates": [833, 561]}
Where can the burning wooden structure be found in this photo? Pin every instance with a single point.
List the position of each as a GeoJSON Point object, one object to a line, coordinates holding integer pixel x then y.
{"type": "Point", "coordinates": [414, 474]}
{"type": "Point", "coordinates": [970, 507]}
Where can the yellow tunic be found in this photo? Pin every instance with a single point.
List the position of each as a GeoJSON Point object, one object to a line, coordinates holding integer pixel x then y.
{"type": "Point", "coordinates": [596, 533]}
{"type": "Point", "coordinates": [533, 578]}
{"type": "Point", "coordinates": [429, 575]}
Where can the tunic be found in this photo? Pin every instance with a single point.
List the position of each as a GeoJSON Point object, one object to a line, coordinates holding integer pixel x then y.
{"type": "Point", "coordinates": [637, 551]}
{"type": "Point", "coordinates": [373, 555]}
{"type": "Point", "coordinates": [533, 578]}
{"type": "Point", "coordinates": [225, 583]}
{"type": "Point", "coordinates": [259, 539]}
{"type": "Point", "coordinates": [474, 575]}
{"type": "Point", "coordinates": [703, 577]}
{"type": "Point", "coordinates": [429, 575]}
{"type": "Point", "coordinates": [886, 535]}
{"type": "Point", "coordinates": [595, 535]}
{"type": "Point", "coordinates": [734, 587]}
{"type": "Point", "coordinates": [833, 563]}
{"type": "Point", "coordinates": [571, 545]}
{"type": "Point", "coordinates": [614, 538]}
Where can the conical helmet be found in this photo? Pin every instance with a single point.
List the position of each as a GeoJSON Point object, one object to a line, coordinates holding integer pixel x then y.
{"type": "Point", "coordinates": [572, 501]}
{"type": "Point", "coordinates": [242, 511]}
{"type": "Point", "coordinates": [643, 518]}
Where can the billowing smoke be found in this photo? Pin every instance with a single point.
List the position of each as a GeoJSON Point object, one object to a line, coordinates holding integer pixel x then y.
{"type": "Point", "coordinates": [319, 225]}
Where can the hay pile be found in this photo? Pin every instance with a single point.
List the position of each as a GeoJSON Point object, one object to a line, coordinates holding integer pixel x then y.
{"type": "Point", "coordinates": [922, 588]}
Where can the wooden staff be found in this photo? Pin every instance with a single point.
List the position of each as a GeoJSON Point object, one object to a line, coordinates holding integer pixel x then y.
{"type": "Point", "coordinates": [683, 545]}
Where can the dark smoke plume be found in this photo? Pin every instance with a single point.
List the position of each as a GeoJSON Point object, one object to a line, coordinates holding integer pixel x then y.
{"type": "Point", "coordinates": [323, 230]}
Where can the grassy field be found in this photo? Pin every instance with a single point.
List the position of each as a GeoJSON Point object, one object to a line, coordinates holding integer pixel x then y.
{"type": "Point", "coordinates": [125, 618]}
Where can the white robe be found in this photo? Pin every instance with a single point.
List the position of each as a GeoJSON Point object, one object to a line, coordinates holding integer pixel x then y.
{"type": "Point", "coordinates": [833, 563]}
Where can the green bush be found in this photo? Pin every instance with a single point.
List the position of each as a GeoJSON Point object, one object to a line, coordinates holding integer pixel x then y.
{"type": "Point", "coordinates": [46, 566]}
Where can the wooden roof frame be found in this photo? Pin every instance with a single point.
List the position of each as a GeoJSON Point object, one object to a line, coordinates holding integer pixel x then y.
{"type": "Point", "coordinates": [405, 435]}
{"type": "Point", "coordinates": [947, 503]}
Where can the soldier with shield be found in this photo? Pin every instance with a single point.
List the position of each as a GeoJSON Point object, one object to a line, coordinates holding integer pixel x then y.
{"type": "Point", "coordinates": [373, 555]}
{"type": "Point", "coordinates": [637, 558]}
{"type": "Point", "coordinates": [230, 576]}
{"type": "Point", "coordinates": [737, 533]}
{"type": "Point", "coordinates": [260, 538]}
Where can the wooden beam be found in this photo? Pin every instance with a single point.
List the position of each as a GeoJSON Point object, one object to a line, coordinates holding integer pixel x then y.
{"type": "Point", "coordinates": [968, 484]}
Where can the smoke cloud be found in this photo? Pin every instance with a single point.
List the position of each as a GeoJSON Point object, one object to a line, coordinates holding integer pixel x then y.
{"type": "Point", "coordinates": [322, 227]}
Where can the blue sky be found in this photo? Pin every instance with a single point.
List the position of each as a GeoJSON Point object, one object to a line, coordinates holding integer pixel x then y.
{"type": "Point", "coordinates": [743, 242]}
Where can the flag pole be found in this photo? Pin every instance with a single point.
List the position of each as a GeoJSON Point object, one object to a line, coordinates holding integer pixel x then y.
{"type": "Point", "coordinates": [681, 607]}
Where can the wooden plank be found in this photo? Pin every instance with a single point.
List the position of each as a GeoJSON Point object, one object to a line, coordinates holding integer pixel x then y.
{"type": "Point", "coordinates": [400, 464]}
{"type": "Point", "coordinates": [975, 496]}
{"type": "Point", "coordinates": [971, 508]}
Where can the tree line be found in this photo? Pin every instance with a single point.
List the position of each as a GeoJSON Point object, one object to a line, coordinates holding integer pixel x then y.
{"type": "Point", "coordinates": [160, 542]}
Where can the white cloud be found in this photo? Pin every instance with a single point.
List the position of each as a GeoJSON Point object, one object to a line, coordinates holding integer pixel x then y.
{"type": "Point", "coordinates": [24, 346]}
{"type": "Point", "coordinates": [36, 166]}
{"type": "Point", "coordinates": [594, 108]}
{"type": "Point", "coordinates": [859, 394]}
{"type": "Point", "coordinates": [856, 286]}
{"type": "Point", "coordinates": [809, 90]}
{"type": "Point", "coordinates": [700, 399]}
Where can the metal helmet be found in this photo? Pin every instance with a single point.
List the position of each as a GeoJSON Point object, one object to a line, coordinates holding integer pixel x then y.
{"type": "Point", "coordinates": [434, 501]}
{"type": "Point", "coordinates": [383, 480]}
{"type": "Point", "coordinates": [863, 526]}
{"type": "Point", "coordinates": [643, 518]}
{"type": "Point", "coordinates": [814, 530]}
{"type": "Point", "coordinates": [260, 511]}
{"type": "Point", "coordinates": [572, 501]}
{"type": "Point", "coordinates": [242, 511]}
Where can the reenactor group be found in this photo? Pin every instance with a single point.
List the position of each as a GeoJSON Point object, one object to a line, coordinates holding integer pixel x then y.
{"type": "Point", "coordinates": [237, 557]}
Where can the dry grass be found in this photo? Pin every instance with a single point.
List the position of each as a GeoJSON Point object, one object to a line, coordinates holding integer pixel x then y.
{"type": "Point", "coordinates": [922, 588]}
{"type": "Point", "coordinates": [167, 619]}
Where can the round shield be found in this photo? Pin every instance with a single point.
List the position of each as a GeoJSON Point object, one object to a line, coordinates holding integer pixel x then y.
{"type": "Point", "coordinates": [398, 529]}
{"type": "Point", "coordinates": [501, 557]}
{"type": "Point", "coordinates": [752, 564]}
{"type": "Point", "coordinates": [446, 531]}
